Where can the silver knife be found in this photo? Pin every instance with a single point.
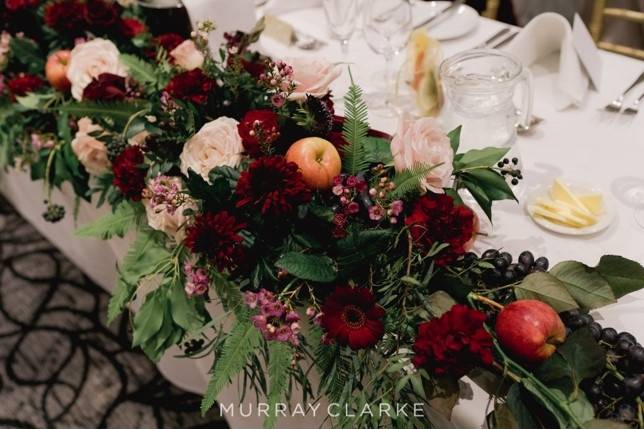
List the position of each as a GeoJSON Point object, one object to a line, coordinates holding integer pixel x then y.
{"type": "Point", "coordinates": [448, 10]}
{"type": "Point", "coordinates": [493, 38]}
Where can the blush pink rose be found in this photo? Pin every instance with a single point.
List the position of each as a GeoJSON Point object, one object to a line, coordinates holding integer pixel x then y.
{"type": "Point", "coordinates": [187, 56]}
{"type": "Point", "coordinates": [90, 151]}
{"type": "Point", "coordinates": [312, 76]}
{"type": "Point", "coordinates": [423, 142]}
{"type": "Point", "coordinates": [166, 217]}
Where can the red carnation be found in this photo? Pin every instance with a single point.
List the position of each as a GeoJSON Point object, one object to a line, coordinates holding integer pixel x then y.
{"type": "Point", "coordinates": [454, 343]}
{"type": "Point", "coordinates": [168, 41]}
{"type": "Point", "coordinates": [20, 85]}
{"type": "Point", "coordinates": [65, 16]}
{"type": "Point", "coordinates": [258, 129]}
{"type": "Point", "coordinates": [16, 5]}
{"type": "Point", "coordinates": [273, 186]}
{"type": "Point", "coordinates": [101, 15]}
{"type": "Point", "coordinates": [132, 27]}
{"type": "Point", "coordinates": [129, 172]}
{"type": "Point", "coordinates": [191, 85]}
{"type": "Point", "coordinates": [106, 87]}
{"type": "Point", "coordinates": [351, 317]}
{"type": "Point", "coordinates": [435, 219]}
{"type": "Point", "coordinates": [216, 235]}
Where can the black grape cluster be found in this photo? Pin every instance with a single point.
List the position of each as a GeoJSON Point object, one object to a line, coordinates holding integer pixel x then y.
{"type": "Point", "coordinates": [507, 271]}
{"type": "Point", "coordinates": [193, 346]}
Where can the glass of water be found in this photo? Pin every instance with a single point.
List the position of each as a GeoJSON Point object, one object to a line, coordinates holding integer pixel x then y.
{"type": "Point", "coordinates": [342, 16]}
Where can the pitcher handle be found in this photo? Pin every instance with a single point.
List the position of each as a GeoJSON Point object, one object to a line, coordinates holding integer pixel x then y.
{"type": "Point", "coordinates": [525, 114]}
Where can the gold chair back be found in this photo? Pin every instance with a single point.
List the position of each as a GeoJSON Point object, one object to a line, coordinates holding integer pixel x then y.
{"type": "Point", "coordinates": [491, 9]}
{"type": "Point", "coordinates": [600, 13]}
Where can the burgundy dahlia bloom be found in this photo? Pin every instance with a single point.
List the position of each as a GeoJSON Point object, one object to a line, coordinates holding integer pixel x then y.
{"type": "Point", "coordinates": [351, 317]}
{"type": "Point", "coordinates": [101, 15]}
{"type": "Point", "coordinates": [191, 85]}
{"type": "Point", "coordinates": [435, 219]}
{"type": "Point", "coordinates": [20, 85]}
{"type": "Point", "coordinates": [65, 16]}
{"type": "Point", "coordinates": [131, 27]}
{"type": "Point", "coordinates": [17, 5]}
{"type": "Point", "coordinates": [168, 41]}
{"type": "Point", "coordinates": [258, 129]}
{"type": "Point", "coordinates": [454, 343]}
{"type": "Point", "coordinates": [272, 186]}
{"type": "Point", "coordinates": [129, 172]}
{"type": "Point", "coordinates": [106, 87]}
{"type": "Point", "coordinates": [216, 236]}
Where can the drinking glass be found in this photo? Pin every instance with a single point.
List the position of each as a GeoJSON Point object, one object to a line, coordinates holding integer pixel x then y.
{"type": "Point", "coordinates": [163, 16]}
{"type": "Point", "coordinates": [387, 28]}
{"type": "Point", "coordinates": [342, 16]}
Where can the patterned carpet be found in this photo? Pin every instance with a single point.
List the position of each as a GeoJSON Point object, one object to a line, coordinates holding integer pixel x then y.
{"type": "Point", "coordinates": [61, 367]}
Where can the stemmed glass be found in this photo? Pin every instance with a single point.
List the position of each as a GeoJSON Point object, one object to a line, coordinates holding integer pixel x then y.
{"type": "Point", "coordinates": [342, 16]}
{"type": "Point", "coordinates": [387, 28]}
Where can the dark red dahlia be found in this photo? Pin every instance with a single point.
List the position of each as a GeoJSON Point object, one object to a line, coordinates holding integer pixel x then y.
{"type": "Point", "coordinates": [191, 85]}
{"type": "Point", "coordinates": [253, 68]}
{"type": "Point", "coordinates": [454, 343]}
{"type": "Point", "coordinates": [351, 317]}
{"type": "Point", "coordinates": [168, 41]}
{"type": "Point", "coordinates": [16, 5]}
{"type": "Point", "coordinates": [258, 129]}
{"type": "Point", "coordinates": [272, 186]}
{"type": "Point", "coordinates": [106, 87]}
{"type": "Point", "coordinates": [66, 16]}
{"type": "Point", "coordinates": [129, 172]}
{"type": "Point", "coordinates": [131, 27]}
{"type": "Point", "coordinates": [23, 83]}
{"type": "Point", "coordinates": [216, 236]}
{"type": "Point", "coordinates": [101, 14]}
{"type": "Point", "coordinates": [435, 219]}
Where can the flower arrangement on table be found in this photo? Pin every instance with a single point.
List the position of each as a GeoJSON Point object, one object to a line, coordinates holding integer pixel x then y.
{"type": "Point", "coordinates": [332, 246]}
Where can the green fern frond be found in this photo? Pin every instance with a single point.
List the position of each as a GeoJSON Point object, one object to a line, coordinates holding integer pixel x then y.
{"type": "Point", "coordinates": [354, 130]}
{"type": "Point", "coordinates": [409, 181]}
{"type": "Point", "coordinates": [119, 112]}
{"type": "Point", "coordinates": [140, 70]}
{"type": "Point", "coordinates": [280, 355]}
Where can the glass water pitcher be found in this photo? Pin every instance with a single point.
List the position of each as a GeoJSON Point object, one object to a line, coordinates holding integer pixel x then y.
{"type": "Point", "coordinates": [480, 87]}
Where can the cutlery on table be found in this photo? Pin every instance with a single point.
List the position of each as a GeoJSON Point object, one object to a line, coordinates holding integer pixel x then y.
{"type": "Point", "coordinates": [635, 107]}
{"type": "Point", "coordinates": [505, 41]}
{"type": "Point", "coordinates": [616, 104]}
{"type": "Point", "coordinates": [493, 38]}
{"type": "Point", "coordinates": [442, 14]}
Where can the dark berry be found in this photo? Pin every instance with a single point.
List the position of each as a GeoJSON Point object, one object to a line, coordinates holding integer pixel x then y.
{"type": "Point", "coordinates": [526, 258]}
{"type": "Point", "coordinates": [587, 319]}
{"type": "Point", "coordinates": [627, 337]}
{"type": "Point", "coordinates": [636, 355]}
{"type": "Point", "coordinates": [500, 263]}
{"type": "Point", "coordinates": [594, 392]}
{"type": "Point", "coordinates": [506, 161]}
{"type": "Point", "coordinates": [542, 263]}
{"type": "Point", "coordinates": [596, 330]}
{"type": "Point", "coordinates": [625, 413]}
{"type": "Point", "coordinates": [490, 254]}
{"type": "Point", "coordinates": [494, 276]}
{"type": "Point", "coordinates": [575, 322]}
{"type": "Point", "coordinates": [507, 257]}
{"type": "Point", "coordinates": [522, 269]}
{"type": "Point", "coordinates": [633, 386]}
{"type": "Point", "coordinates": [609, 335]}
{"type": "Point", "coordinates": [500, 164]}
{"type": "Point", "coordinates": [613, 387]}
{"type": "Point", "coordinates": [624, 346]}
{"type": "Point", "coordinates": [470, 257]}
{"type": "Point", "coordinates": [54, 213]}
{"type": "Point", "coordinates": [515, 161]}
{"type": "Point", "coordinates": [509, 276]}
{"type": "Point", "coordinates": [515, 182]}
{"type": "Point", "coordinates": [568, 332]}
{"type": "Point", "coordinates": [565, 315]}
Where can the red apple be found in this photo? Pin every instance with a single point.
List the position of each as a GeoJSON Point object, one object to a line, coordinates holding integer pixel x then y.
{"type": "Point", "coordinates": [530, 330]}
{"type": "Point", "coordinates": [318, 160]}
{"type": "Point", "coordinates": [56, 70]}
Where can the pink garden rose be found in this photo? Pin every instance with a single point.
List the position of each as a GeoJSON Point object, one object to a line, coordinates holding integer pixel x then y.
{"type": "Point", "coordinates": [423, 142]}
{"type": "Point", "coordinates": [91, 59]}
{"type": "Point", "coordinates": [91, 152]}
{"type": "Point", "coordinates": [312, 76]}
{"type": "Point", "coordinates": [164, 206]}
{"type": "Point", "coordinates": [187, 56]}
{"type": "Point", "coordinates": [216, 144]}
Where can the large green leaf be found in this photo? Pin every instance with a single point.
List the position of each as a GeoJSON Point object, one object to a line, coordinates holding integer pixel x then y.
{"type": "Point", "coordinates": [184, 310]}
{"type": "Point", "coordinates": [308, 267]}
{"type": "Point", "coordinates": [547, 288]}
{"type": "Point", "coordinates": [148, 319]}
{"type": "Point", "coordinates": [118, 223]}
{"type": "Point", "coordinates": [361, 246]}
{"type": "Point", "coordinates": [480, 158]}
{"type": "Point", "coordinates": [519, 409]}
{"type": "Point", "coordinates": [378, 150]}
{"type": "Point", "coordinates": [440, 302]}
{"type": "Point", "coordinates": [25, 51]}
{"type": "Point", "coordinates": [455, 138]}
{"type": "Point", "coordinates": [623, 275]}
{"type": "Point", "coordinates": [585, 284]}
{"type": "Point", "coordinates": [605, 424]}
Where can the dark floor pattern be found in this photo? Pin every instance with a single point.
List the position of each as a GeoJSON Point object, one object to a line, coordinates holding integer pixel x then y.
{"type": "Point", "coordinates": [61, 367]}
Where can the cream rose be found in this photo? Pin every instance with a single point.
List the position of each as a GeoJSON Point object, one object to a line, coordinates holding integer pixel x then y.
{"type": "Point", "coordinates": [89, 60]}
{"type": "Point", "coordinates": [5, 41]}
{"type": "Point", "coordinates": [91, 152]}
{"type": "Point", "coordinates": [216, 144]}
{"type": "Point", "coordinates": [312, 76]}
{"type": "Point", "coordinates": [423, 142]}
{"type": "Point", "coordinates": [187, 56]}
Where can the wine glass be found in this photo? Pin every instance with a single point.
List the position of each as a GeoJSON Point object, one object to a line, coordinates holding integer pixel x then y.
{"type": "Point", "coordinates": [387, 28]}
{"type": "Point", "coordinates": [342, 16]}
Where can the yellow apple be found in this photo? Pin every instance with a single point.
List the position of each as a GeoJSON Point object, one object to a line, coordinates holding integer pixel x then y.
{"type": "Point", "coordinates": [56, 70]}
{"type": "Point", "coordinates": [318, 160]}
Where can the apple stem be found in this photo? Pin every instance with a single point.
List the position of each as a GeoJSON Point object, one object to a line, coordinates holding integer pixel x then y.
{"type": "Point", "coordinates": [487, 301]}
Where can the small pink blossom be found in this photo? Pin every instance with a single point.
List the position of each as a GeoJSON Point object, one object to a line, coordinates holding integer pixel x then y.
{"type": "Point", "coordinates": [353, 207]}
{"type": "Point", "coordinates": [273, 320]}
{"type": "Point", "coordinates": [197, 280]}
{"type": "Point", "coordinates": [396, 207]}
{"type": "Point", "coordinates": [376, 213]}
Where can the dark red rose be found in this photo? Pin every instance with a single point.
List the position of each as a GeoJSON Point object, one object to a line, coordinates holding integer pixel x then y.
{"type": "Point", "coordinates": [191, 85]}
{"type": "Point", "coordinates": [258, 129]}
{"type": "Point", "coordinates": [168, 41]}
{"type": "Point", "coordinates": [66, 16]}
{"type": "Point", "coordinates": [16, 5]}
{"type": "Point", "coordinates": [435, 219]}
{"type": "Point", "coordinates": [129, 172]}
{"type": "Point", "coordinates": [106, 87]}
{"type": "Point", "coordinates": [351, 317]}
{"type": "Point", "coordinates": [272, 186]}
{"type": "Point", "coordinates": [216, 236]}
{"type": "Point", "coordinates": [454, 343]}
{"type": "Point", "coordinates": [131, 27]}
{"type": "Point", "coordinates": [20, 85]}
{"type": "Point", "coordinates": [101, 14]}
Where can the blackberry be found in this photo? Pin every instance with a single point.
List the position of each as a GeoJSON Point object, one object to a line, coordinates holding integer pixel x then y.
{"type": "Point", "coordinates": [114, 148]}
{"type": "Point", "coordinates": [54, 213]}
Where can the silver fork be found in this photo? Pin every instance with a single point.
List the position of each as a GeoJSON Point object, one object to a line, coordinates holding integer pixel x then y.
{"type": "Point", "coordinates": [616, 104]}
{"type": "Point", "coordinates": [635, 107]}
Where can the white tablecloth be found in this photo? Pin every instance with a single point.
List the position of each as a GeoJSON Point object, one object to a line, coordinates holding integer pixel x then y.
{"type": "Point", "coordinates": [582, 144]}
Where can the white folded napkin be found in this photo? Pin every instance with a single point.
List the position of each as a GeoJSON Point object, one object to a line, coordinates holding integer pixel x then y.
{"type": "Point", "coordinates": [545, 35]}
{"type": "Point", "coordinates": [226, 15]}
{"type": "Point", "coordinates": [277, 7]}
